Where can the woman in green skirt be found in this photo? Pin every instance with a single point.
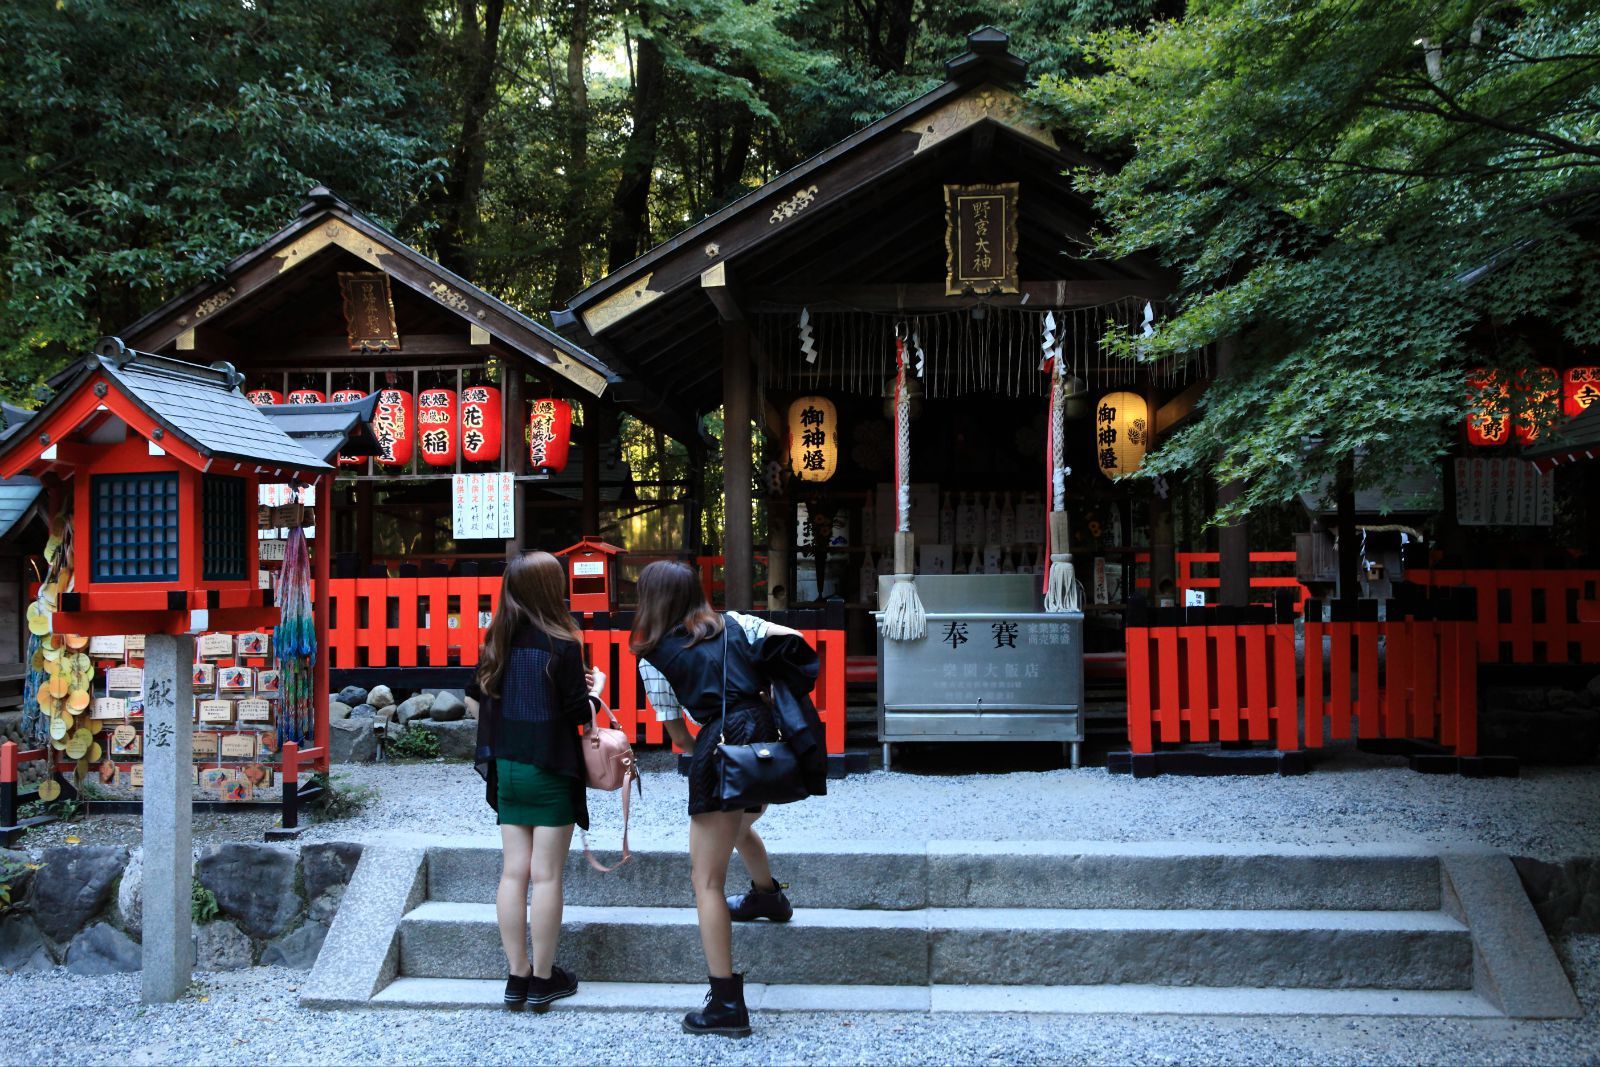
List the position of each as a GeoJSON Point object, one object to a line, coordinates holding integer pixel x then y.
{"type": "Point", "coordinates": [533, 695]}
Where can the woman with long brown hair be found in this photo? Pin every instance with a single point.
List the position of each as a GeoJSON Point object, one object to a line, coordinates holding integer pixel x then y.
{"type": "Point", "coordinates": [533, 694]}
{"type": "Point", "coordinates": [724, 674]}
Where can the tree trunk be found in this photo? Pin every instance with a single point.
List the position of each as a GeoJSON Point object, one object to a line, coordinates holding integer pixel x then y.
{"type": "Point", "coordinates": [630, 205]}
{"type": "Point", "coordinates": [463, 184]}
{"type": "Point", "coordinates": [727, 168]}
{"type": "Point", "coordinates": [888, 26]}
{"type": "Point", "coordinates": [569, 257]}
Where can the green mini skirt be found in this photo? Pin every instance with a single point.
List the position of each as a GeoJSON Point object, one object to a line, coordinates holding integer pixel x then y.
{"type": "Point", "coordinates": [532, 796]}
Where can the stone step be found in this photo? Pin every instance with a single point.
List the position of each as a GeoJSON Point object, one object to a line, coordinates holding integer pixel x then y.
{"type": "Point", "coordinates": [978, 946]}
{"type": "Point", "coordinates": [888, 876]}
{"type": "Point", "coordinates": [677, 997]}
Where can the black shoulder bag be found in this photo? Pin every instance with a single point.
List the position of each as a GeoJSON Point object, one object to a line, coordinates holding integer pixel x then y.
{"type": "Point", "coordinates": [749, 776]}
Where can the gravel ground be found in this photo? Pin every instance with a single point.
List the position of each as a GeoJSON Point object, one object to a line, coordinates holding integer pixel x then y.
{"type": "Point", "coordinates": [1547, 813]}
{"type": "Point", "coordinates": [250, 1017]}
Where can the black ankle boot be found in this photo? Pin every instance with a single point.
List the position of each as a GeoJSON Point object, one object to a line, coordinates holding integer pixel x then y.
{"type": "Point", "coordinates": [724, 1011]}
{"type": "Point", "coordinates": [761, 904]}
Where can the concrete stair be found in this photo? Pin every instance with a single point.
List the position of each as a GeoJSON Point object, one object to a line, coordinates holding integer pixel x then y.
{"type": "Point", "coordinates": [1019, 926]}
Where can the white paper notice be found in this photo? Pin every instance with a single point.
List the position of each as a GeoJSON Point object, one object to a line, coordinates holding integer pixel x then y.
{"type": "Point", "coordinates": [508, 499]}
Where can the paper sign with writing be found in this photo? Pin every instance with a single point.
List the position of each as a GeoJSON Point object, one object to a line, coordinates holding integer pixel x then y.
{"type": "Point", "coordinates": [216, 646]}
{"type": "Point", "coordinates": [136, 776]}
{"type": "Point", "coordinates": [216, 711]}
{"type": "Point", "coordinates": [133, 645]}
{"type": "Point", "coordinates": [107, 645]}
{"type": "Point", "coordinates": [255, 710]}
{"type": "Point", "coordinates": [110, 708]}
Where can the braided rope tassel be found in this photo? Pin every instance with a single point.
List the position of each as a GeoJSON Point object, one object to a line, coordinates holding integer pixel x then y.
{"type": "Point", "coordinates": [1062, 591]}
{"type": "Point", "coordinates": [904, 618]}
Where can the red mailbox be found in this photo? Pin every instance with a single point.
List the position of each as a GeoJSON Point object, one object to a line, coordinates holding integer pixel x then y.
{"type": "Point", "coordinates": [592, 575]}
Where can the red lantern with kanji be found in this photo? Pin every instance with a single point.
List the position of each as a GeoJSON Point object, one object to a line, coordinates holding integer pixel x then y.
{"type": "Point", "coordinates": [436, 426]}
{"type": "Point", "coordinates": [395, 425]}
{"type": "Point", "coordinates": [308, 396]}
{"type": "Point", "coordinates": [480, 424]}
{"type": "Point", "coordinates": [549, 435]}
{"type": "Point", "coordinates": [1580, 388]}
{"type": "Point", "coordinates": [1489, 421]}
{"type": "Point", "coordinates": [1538, 400]}
{"type": "Point", "coordinates": [340, 396]}
{"type": "Point", "coordinates": [261, 397]}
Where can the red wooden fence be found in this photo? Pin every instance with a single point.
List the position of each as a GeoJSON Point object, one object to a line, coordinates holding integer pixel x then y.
{"type": "Point", "coordinates": [1531, 616]}
{"type": "Point", "coordinates": [438, 622]}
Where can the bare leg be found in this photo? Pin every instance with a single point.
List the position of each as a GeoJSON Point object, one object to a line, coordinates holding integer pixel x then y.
{"type": "Point", "coordinates": [517, 847]}
{"type": "Point", "coordinates": [549, 860]}
{"type": "Point", "coordinates": [711, 837]}
{"type": "Point", "coordinates": [753, 852]}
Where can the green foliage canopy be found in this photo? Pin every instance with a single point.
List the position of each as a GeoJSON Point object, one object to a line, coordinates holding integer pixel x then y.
{"type": "Point", "coordinates": [1372, 195]}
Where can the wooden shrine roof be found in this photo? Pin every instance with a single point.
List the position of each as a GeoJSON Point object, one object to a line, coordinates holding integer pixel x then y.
{"type": "Point", "coordinates": [325, 430]}
{"type": "Point", "coordinates": [1574, 441]}
{"type": "Point", "coordinates": [270, 276]}
{"type": "Point", "coordinates": [859, 226]}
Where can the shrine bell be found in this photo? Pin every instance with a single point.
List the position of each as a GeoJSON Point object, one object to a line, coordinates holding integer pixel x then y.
{"type": "Point", "coordinates": [592, 575]}
{"type": "Point", "coordinates": [161, 461]}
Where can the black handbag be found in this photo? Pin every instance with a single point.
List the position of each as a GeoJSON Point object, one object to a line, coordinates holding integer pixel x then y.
{"type": "Point", "coordinates": [748, 776]}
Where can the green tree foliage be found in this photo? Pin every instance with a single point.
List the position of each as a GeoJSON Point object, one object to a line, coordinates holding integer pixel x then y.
{"type": "Point", "coordinates": [1373, 195]}
{"type": "Point", "coordinates": [143, 144]}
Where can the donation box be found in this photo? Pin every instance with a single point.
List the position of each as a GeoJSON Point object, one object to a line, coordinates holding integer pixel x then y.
{"type": "Point", "coordinates": [592, 575]}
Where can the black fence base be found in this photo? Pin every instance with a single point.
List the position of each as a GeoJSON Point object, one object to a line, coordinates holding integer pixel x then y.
{"type": "Point", "coordinates": [1426, 757]}
{"type": "Point", "coordinates": [1201, 763]}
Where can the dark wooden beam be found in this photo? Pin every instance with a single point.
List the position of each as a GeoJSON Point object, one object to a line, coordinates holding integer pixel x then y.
{"type": "Point", "coordinates": [930, 296]}
{"type": "Point", "coordinates": [737, 461]}
{"type": "Point", "coordinates": [1179, 408]}
{"type": "Point", "coordinates": [318, 350]}
{"type": "Point", "coordinates": [1233, 540]}
{"type": "Point", "coordinates": [717, 282]}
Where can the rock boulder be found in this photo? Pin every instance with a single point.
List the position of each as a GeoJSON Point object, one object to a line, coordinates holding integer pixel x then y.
{"type": "Point", "coordinates": [351, 741]}
{"type": "Point", "coordinates": [457, 740]}
{"type": "Point", "coordinates": [416, 707]}
{"type": "Point", "coordinates": [72, 885]}
{"type": "Point", "coordinates": [220, 946]}
{"type": "Point", "coordinates": [103, 949]}
{"type": "Point", "coordinates": [380, 696]}
{"type": "Point", "coordinates": [448, 706]}
{"type": "Point", "coordinates": [352, 695]}
{"type": "Point", "coordinates": [254, 885]}
{"type": "Point", "coordinates": [298, 950]}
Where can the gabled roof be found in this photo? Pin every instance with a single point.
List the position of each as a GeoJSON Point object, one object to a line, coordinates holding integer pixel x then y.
{"type": "Point", "coordinates": [327, 429]}
{"type": "Point", "coordinates": [324, 221]}
{"type": "Point", "coordinates": [1574, 441]}
{"type": "Point", "coordinates": [196, 413]}
{"type": "Point", "coordinates": [18, 497]}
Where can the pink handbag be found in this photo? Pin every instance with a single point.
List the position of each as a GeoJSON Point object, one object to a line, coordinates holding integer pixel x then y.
{"type": "Point", "coordinates": [609, 765]}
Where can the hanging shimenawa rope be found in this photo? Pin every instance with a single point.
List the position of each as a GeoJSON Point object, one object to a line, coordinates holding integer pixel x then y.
{"type": "Point", "coordinates": [295, 641]}
{"type": "Point", "coordinates": [1062, 590]}
{"type": "Point", "coordinates": [904, 618]}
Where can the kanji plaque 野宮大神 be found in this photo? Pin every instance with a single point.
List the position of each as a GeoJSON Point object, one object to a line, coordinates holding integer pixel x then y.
{"type": "Point", "coordinates": [980, 238]}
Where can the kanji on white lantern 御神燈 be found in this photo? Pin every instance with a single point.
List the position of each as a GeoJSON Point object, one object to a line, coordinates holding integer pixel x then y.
{"type": "Point", "coordinates": [480, 424]}
{"type": "Point", "coordinates": [549, 435]}
{"type": "Point", "coordinates": [395, 427]}
{"type": "Point", "coordinates": [813, 438]}
{"type": "Point", "coordinates": [1121, 433]}
{"type": "Point", "coordinates": [436, 426]}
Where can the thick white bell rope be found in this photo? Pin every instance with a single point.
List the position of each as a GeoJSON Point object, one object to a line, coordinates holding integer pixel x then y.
{"type": "Point", "coordinates": [904, 618]}
{"type": "Point", "coordinates": [1062, 591]}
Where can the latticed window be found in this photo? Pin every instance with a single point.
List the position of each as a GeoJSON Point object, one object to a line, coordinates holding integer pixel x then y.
{"type": "Point", "coordinates": [222, 532]}
{"type": "Point", "coordinates": [134, 524]}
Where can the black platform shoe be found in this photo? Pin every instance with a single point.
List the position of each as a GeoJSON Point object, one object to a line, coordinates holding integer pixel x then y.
{"type": "Point", "coordinates": [724, 1011]}
{"type": "Point", "coordinates": [761, 904]}
{"type": "Point", "coordinates": [517, 990]}
{"type": "Point", "coordinates": [542, 991]}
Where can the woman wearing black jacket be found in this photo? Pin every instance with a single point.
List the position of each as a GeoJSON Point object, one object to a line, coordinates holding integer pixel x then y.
{"type": "Point", "coordinates": [532, 695]}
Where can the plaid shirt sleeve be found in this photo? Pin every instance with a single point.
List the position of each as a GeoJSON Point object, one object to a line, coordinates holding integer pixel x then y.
{"type": "Point", "coordinates": [659, 692]}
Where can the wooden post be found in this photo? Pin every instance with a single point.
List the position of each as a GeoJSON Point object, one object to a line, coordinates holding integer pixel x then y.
{"type": "Point", "coordinates": [1163, 552]}
{"type": "Point", "coordinates": [1233, 540]}
{"type": "Point", "coordinates": [514, 454]}
{"type": "Point", "coordinates": [364, 493]}
{"type": "Point", "coordinates": [694, 500]}
{"type": "Point", "coordinates": [1349, 545]}
{"type": "Point", "coordinates": [737, 551]}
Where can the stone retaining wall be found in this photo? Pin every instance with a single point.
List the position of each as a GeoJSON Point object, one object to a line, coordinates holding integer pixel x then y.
{"type": "Point", "coordinates": [82, 906]}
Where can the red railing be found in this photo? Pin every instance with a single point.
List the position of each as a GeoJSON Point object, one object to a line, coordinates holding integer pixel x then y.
{"type": "Point", "coordinates": [1532, 616]}
{"type": "Point", "coordinates": [438, 622]}
{"type": "Point", "coordinates": [1232, 676]}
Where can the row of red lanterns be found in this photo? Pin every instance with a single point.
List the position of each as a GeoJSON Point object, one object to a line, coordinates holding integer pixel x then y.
{"type": "Point", "coordinates": [440, 423]}
{"type": "Point", "coordinates": [1504, 406]}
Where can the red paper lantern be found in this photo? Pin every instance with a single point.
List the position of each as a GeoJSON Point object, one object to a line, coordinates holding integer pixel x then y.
{"type": "Point", "coordinates": [340, 396]}
{"type": "Point", "coordinates": [308, 396]}
{"type": "Point", "coordinates": [1489, 421]}
{"type": "Point", "coordinates": [1580, 389]}
{"type": "Point", "coordinates": [1538, 395]}
{"type": "Point", "coordinates": [549, 435]}
{"type": "Point", "coordinates": [396, 427]}
{"type": "Point", "coordinates": [436, 426]}
{"type": "Point", "coordinates": [264, 396]}
{"type": "Point", "coordinates": [480, 424]}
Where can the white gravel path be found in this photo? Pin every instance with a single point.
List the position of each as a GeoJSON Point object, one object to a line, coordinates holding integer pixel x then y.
{"type": "Point", "coordinates": [252, 1017]}
{"type": "Point", "coordinates": [1548, 813]}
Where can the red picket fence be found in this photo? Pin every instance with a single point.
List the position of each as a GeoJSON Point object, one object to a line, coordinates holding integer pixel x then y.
{"type": "Point", "coordinates": [439, 622]}
{"type": "Point", "coordinates": [1531, 616]}
{"type": "Point", "coordinates": [1222, 675]}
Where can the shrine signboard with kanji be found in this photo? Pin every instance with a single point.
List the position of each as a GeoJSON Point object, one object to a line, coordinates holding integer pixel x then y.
{"type": "Point", "coordinates": [980, 238]}
{"type": "Point", "coordinates": [368, 311]}
{"type": "Point", "coordinates": [1000, 661]}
